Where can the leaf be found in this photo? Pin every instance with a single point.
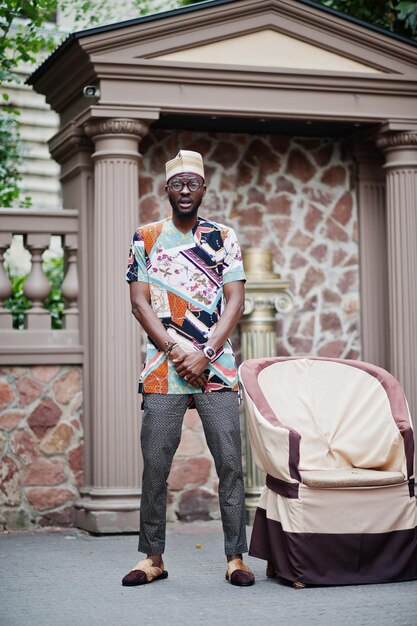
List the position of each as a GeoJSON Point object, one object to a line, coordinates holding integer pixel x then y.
{"type": "Point", "coordinates": [407, 12]}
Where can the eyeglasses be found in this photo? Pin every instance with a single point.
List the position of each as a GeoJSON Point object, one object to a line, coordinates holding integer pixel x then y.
{"type": "Point", "coordinates": [193, 184]}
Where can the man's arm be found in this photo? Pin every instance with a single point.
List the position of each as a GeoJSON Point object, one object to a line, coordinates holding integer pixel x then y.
{"type": "Point", "coordinates": [193, 364]}
{"type": "Point", "coordinates": [234, 294]}
{"type": "Point", "coordinates": [140, 299]}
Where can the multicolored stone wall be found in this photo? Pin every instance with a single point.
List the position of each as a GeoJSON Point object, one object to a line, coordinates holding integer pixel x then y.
{"type": "Point", "coordinates": [41, 445]}
{"type": "Point", "coordinates": [295, 197]}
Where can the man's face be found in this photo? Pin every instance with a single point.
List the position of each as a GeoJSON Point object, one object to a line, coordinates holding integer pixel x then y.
{"type": "Point", "coordinates": [185, 202]}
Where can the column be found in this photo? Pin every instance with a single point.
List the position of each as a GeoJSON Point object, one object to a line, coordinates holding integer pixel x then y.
{"type": "Point", "coordinates": [400, 149]}
{"type": "Point", "coordinates": [373, 265]}
{"type": "Point", "coordinates": [72, 149]}
{"type": "Point", "coordinates": [266, 295]}
{"type": "Point", "coordinates": [110, 503]}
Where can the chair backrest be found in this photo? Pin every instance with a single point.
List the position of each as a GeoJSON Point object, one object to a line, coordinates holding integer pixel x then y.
{"type": "Point", "coordinates": [342, 412]}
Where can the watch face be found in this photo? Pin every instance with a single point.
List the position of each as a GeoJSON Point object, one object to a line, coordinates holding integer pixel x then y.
{"type": "Point", "coordinates": [209, 352]}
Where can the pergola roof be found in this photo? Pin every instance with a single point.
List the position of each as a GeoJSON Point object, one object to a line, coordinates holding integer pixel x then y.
{"type": "Point", "coordinates": [197, 7]}
{"type": "Point", "coordinates": [272, 60]}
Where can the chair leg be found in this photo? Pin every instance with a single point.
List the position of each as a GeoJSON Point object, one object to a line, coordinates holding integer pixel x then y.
{"type": "Point", "coordinates": [270, 570]}
{"type": "Point", "coordinates": [271, 573]}
{"type": "Point", "coordinates": [298, 585]}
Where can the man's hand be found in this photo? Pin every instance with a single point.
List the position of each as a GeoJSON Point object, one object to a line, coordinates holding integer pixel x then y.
{"type": "Point", "coordinates": [190, 366]}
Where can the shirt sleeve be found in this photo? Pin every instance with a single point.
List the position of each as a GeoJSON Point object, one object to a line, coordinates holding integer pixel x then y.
{"type": "Point", "coordinates": [136, 268]}
{"type": "Point", "coordinates": [232, 265]}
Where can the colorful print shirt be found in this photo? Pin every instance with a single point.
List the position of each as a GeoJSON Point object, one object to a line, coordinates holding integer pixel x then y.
{"type": "Point", "coordinates": [186, 274]}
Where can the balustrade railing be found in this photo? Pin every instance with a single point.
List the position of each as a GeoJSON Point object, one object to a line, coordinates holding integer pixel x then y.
{"type": "Point", "coordinates": [38, 341]}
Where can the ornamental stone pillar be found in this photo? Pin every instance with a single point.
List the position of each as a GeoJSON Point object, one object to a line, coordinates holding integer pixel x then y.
{"type": "Point", "coordinates": [110, 500]}
{"type": "Point", "coordinates": [373, 267]}
{"type": "Point", "coordinates": [400, 150]}
{"type": "Point", "coordinates": [72, 149]}
{"type": "Point", "coordinates": [265, 296]}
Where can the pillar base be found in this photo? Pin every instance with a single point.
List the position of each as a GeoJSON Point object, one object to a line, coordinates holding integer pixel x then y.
{"type": "Point", "coordinates": [108, 511]}
{"type": "Point", "coordinates": [251, 504]}
{"type": "Point", "coordinates": [107, 522]}
{"type": "Point", "coordinates": [250, 515]}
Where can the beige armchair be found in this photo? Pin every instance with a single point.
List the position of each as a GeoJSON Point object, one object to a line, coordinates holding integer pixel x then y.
{"type": "Point", "coordinates": [335, 440]}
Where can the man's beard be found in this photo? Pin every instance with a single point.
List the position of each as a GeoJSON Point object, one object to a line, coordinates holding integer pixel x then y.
{"type": "Point", "coordinates": [180, 214]}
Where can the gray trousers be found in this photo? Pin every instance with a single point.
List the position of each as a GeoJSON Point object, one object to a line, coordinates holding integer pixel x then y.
{"type": "Point", "coordinates": [160, 436]}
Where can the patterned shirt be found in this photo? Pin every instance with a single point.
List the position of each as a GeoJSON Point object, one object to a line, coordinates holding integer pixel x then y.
{"type": "Point", "coordinates": [186, 274]}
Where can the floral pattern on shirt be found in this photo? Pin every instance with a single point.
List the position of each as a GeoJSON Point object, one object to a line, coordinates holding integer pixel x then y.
{"type": "Point", "coordinates": [186, 274]}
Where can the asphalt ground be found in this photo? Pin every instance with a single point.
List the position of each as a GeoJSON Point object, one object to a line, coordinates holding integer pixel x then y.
{"type": "Point", "coordinates": [66, 577]}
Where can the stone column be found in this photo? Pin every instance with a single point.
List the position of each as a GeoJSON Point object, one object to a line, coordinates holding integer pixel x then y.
{"type": "Point", "coordinates": [400, 149]}
{"type": "Point", "coordinates": [72, 149]}
{"type": "Point", "coordinates": [266, 295]}
{"type": "Point", "coordinates": [372, 252]}
{"type": "Point", "coordinates": [110, 502]}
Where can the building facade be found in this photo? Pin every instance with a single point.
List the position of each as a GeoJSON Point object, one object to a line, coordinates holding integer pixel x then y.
{"type": "Point", "coordinates": [308, 126]}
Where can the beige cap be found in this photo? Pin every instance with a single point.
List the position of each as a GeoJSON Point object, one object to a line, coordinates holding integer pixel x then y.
{"type": "Point", "coordinates": [186, 162]}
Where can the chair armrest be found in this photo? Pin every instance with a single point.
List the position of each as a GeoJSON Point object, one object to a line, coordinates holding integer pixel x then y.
{"type": "Point", "coordinates": [275, 447]}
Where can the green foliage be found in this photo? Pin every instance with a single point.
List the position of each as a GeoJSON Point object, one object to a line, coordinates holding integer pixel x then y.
{"type": "Point", "coordinates": [27, 33]}
{"type": "Point", "coordinates": [407, 12]}
{"type": "Point", "coordinates": [22, 37]}
{"type": "Point", "coordinates": [399, 17]}
{"type": "Point", "coordinates": [18, 303]}
{"type": "Point", "coordinates": [187, 2]}
{"type": "Point", "coordinates": [11, 150]}
{"type": "Point", "coordinates": [22, 33]}
{"type": "Point", "coordinates": [394, 15]}
{"type": "Point", "coordinates": [54, 271]}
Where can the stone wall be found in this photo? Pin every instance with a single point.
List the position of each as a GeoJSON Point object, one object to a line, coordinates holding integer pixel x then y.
{"type": "Point", "coordinates": [295, 197]}
{"type": "Point", "coordinates": [41, 445]}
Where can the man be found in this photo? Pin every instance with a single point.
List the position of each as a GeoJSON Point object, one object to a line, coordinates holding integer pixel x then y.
{"type": "Point", "coordinates": [187, 292]}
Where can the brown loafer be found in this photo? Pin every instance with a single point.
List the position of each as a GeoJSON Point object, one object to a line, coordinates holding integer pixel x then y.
{"type": "Point", "coordinates": [239, 574]}
{"type": "Point", "coordinates": [144, 572]}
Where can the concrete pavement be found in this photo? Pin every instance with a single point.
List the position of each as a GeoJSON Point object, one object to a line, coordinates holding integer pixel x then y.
{"type": "Point", "coordinates": [66, 577]}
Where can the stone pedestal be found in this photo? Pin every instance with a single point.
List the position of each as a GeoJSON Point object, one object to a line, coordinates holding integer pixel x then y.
{"type": "Point", "coordinates": [266, 295]}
